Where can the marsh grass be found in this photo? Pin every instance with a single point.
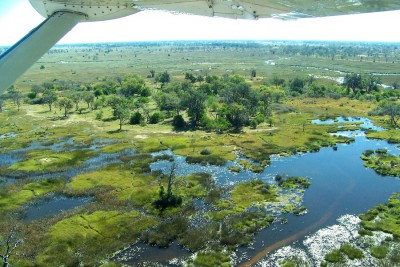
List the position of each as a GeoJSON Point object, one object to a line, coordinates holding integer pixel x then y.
{"type": "Point", "coordinates": [49, 160]}
{"type": "Point", "coordinates": [138, 189]}
{"type": "Point", "coordinates": [381, 162]}
{"type": "Point", "coordinates": [16, 195]}
{"type": "Point", "coordinates": [92, 235]}
{"type": "Point", "coordinates": [245, 194]}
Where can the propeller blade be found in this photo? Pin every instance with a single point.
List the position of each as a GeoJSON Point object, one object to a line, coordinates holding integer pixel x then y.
{"type": "Point", "coordinates": [20, 57]}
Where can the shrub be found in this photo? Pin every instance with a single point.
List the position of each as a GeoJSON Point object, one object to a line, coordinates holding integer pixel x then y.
{"type": "Point", "coordinates": [155, 118]}
{"type": "Point", "coordinates": [205, 151]}
{"type": "Point", "coordinates": [178, 122]}
{"type": "Point", "coordinates": [99, 115]}
{"type": "Point", "coordinates": [351, 252]}
{"type": "Point", "coordinates": [368, 152]}
{"type": "Point", "coordinates": [253, 124]}
{"type": "Point", "coordinates": [334, 256]}
{"type": "Point", "coordinates": [381, 151]}
{"type": "Point", "coordinates": [379, 252]}
{"type": "Point", "coordinates": [136, 118]}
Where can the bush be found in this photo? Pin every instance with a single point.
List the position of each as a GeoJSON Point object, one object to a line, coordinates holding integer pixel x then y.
{"type": "Point", "coordinates": [381, 151]}
{"type": "Point", "coordinates": [205, 151]}
{"type": "Point", "coordinates": [351, 252]}
{"type": "Point", "coordinates": [136, 118]}
{"type": "Point", "coordinates": [379, 252]}
{"type": "Point", "coordinates": [155, 118]}
{"type": "Point", "coordinates": [146, 92]}
{"type": "Point", "coordinates": [334, 256]}
{"type": "Point", "coordinates": [368, 152]}
{"type": "Point", "coordinates": [253, 124]}
{"type": "Point", "coordinates": [178, 122]}
{"type": "Point", "coordinates": [99, 115]}
{"type": "Point", "coordinates": [260, 118]}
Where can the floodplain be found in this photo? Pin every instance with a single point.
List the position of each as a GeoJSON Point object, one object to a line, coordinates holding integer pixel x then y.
{"type": "Point", "coordinates": [203, 154]}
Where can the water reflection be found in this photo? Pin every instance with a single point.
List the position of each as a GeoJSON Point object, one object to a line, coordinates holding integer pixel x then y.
{"type": "Point", "coordinates": [52, 207]}
{"type": "Point", "coordinates": [340, 185]}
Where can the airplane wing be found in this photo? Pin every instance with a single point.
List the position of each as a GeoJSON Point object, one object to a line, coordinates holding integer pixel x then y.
{"type": "Point", "coordinates": [63, 15]}
{"type": "Point", "coordinates": [239, 9]}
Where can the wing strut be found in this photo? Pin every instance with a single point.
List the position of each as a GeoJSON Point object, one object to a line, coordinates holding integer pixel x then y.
{"type": "Point", "coordinates": [20, 57]}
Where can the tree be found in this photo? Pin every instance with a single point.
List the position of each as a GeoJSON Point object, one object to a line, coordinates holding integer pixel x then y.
{"type": "Point", "coordinates": [123, 114]}
{"type": "Point", "coordinates": [297, 85]}
{"type": "Point", "coordinates": [238, 116]}
{"type": "Point", "coordinates": [194, 101]}
{"type": "Point", "coordinates": [190, 77]}
{"type": "Point", "coordinates": [88, 97]}
{"type": "Point", "coordinates": [114, 101]}
{"type": "Point", "coordinates": [131, 85]}
{"type": "Point", "coordinates": [49, 97]}
{"type": "Point", "coordinates": [36, 89]}
{"type": "Point", "coordinates": [66, 104]}
{"type": "Point", "coordinates": [76, 97]}
{"type": "Point", "coordinates": [169, 102]}
{"type": "Point", "coordinates": [253, 73]}
{"type": "Point", "coordinates": [353, 81]}
{"type": "Point", "coordinates": [168, 200]}
{"type": "Point", "coordinates": [10, 245]}
{"type": "Point", "coordinates": [163, 77]}
{"type": "Point", "coordinates": [392, 109]}
{"type": "Point", "coordinates": [277, 81]}
{"type": "Point", "coordinates": [372, 83]}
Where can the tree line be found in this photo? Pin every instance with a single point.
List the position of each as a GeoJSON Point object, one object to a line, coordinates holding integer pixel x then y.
{"type": "Point", "coordinates": [213, 103]}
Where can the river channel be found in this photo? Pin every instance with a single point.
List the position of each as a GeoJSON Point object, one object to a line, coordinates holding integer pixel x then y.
{"type": "Point", "coordinates": [340, 185]}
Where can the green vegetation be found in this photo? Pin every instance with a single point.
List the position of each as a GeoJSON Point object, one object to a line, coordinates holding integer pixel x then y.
{"type": "Point", "coordinates": [380, 218]}
{"type": "Point", "coordinates": [211, 115]}
{"type": "Point", "coordinates": [379, 252]}
{"type": "Point", "coordinates": [335, 256]}
{"type": "Point", "coordinates": [138, 189]}
{"type": "Point", "coordinates": [388, 217]}
{"type": "Point", "coordinates": [244, 195]}
{"type": "Point", "coordinates": [210, 258]}
{"type": "Point", "coordinates": [292, 182]}
{"type": "Point", "coordinates": [351, 252]}
{"type": "Point", "coordinates": [381, 162]}
{"type": "Point", "coordinates": [48, 160]}
{"type": "Point", "coordinates": [15, 196]}
{"type": "Point", "coordinates": [87, 238]}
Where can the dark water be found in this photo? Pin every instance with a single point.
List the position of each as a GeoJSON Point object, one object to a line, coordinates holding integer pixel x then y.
{"type": "Point", "coordinates": [52, 207]}
{"type": "Point", "coordinates": [94, 163]}
{"type": "Point", "coordinates": [340, 184]}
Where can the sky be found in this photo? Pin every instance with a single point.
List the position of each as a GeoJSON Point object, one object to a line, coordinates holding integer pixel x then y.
{"type": "Point", "coordinates": [17, 18]}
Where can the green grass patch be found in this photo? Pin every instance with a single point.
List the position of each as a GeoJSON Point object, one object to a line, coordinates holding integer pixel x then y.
{"type": "Point", "coordinates": [389, 217]}
{"type": "Point", "coordinates": [249, 166]}
{"type": "Point", "coordinates": [246, 194]}
{"type": "Point", "coordinates": [15, 196]}
{"type": "Point", "coordinates": [379, 252]}
{"type": "Point", "coordinates": [48, 160]}
{"type": "Point", "coordinates": [392, 136]}
{"type": "Point", "coordinates": [140, 189]}
{"type": "Point", "coordinates": [94, 236]}
{"type": "Point", "coordinates": [293, 182]}
{"type": "Point", "coordinates": [351, 251]}
{"type": "Point", "coordinates": [212, 258]}
{"type": "Point", "coordinates": [335, 256]}
{"type": "Point", "coordinates": [382, 163]}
